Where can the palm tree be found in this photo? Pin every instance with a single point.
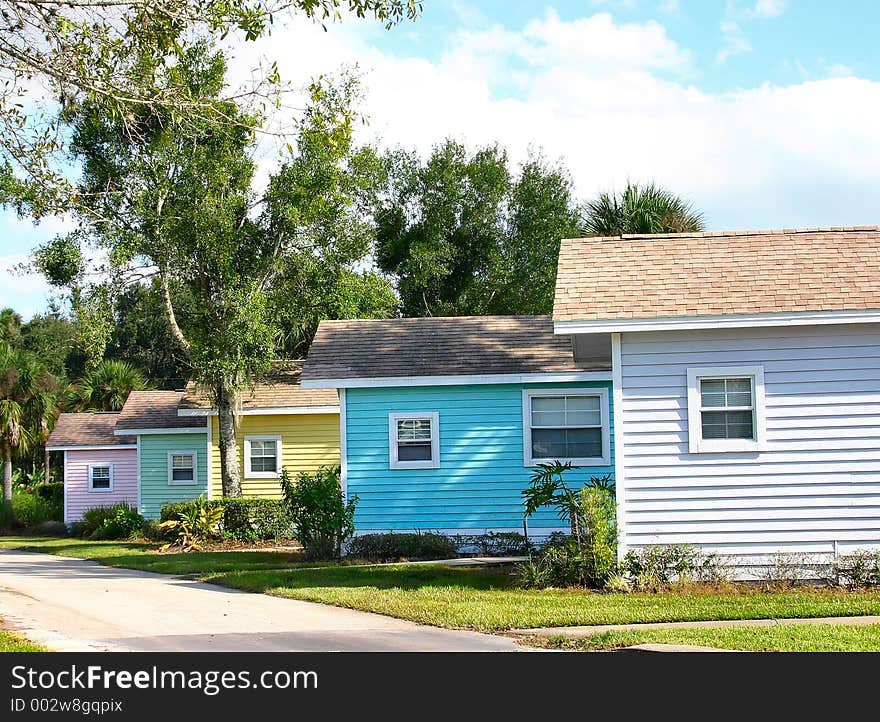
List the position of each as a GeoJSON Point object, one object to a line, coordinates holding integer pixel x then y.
{"type": "Point", "coordinates": [640, 209]}
{"type": "Point", "coordinates": [10, 326]}
{"type": "Point", "coordinates": [105, 387]}
{"type": "Point", "coordinates": [27, 407]}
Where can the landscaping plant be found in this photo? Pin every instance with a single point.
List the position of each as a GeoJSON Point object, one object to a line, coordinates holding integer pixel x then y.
{"type": "Point", "coordinates": [198, 523]}
{"type": "Point", "coordinates": [321, 516]}
{"type": "Point", "coordinates": [394, 547]}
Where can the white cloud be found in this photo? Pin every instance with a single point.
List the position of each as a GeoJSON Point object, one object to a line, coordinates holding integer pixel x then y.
{"type": "Point", "coordinates": [734, 40]}
{"type": "Point", "coordinates": [27, 293]}
{"type": "Point", "coordinates": [769, 8]}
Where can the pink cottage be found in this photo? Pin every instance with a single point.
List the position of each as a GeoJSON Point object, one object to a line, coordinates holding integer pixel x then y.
{"type": "Point", "coordinates": [100, 468]}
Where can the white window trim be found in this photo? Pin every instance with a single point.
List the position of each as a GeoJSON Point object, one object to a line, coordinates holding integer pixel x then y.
{"type": "Point", "coordinates": [528, 394]}
{"type": "Point", "coordinates": [696, 443]}
{"type": "Point", "coordinates": [434, 461]}
{"type": "Point", "coordinates": [248, 474]}
{"type": "Point", "coordinates": [92, 489]}
{"type": "Point", "coordinates": [195, 459]}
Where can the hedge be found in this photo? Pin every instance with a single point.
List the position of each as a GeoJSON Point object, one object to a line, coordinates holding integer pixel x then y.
{"type": "Point", "coordinates": [244, 519]}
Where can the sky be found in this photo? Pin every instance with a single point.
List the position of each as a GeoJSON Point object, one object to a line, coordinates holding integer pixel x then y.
{"type": "Point", "coordinates": [763, 113]}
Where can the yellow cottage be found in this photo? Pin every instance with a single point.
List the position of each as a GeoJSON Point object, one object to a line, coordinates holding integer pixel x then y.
{"type": "Point", "coordinates": [281, 425]}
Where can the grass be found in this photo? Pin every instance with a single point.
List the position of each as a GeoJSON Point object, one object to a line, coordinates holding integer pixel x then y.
{"type": "Point", "coordinates": [779, 638]}
{"type": "Point", "coordinates": [470, 598]}
{"type": "Point", "coordinates": [11, 642]}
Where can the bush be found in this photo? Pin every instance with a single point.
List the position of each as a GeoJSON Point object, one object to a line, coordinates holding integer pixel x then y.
{"type": "Point", "coordinates": [119, 521]}
{"type": "Point", "coordinates": [859, 569]}
{"type": "Point", "coordinates": [197, 523]}
{"type": "Point", "coordinates": [51, 528]}
{"type": "Point", "coordinates": [151, 530]}
{"type": "Point", "coordinates": [243, 519]}
{"type": "Point", "coordinates": [29, 509]}
{"type": "Point", "coordinates": [322, 519]}
{"type": "Point", "coordinates": [652, 568]}
{"type": "Point", "coordinates": [494, 544]}
{"type": "Point", "coordinates": [393, 547]}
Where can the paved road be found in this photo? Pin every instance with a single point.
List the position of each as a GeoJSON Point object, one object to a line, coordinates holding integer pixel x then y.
{"type": "Point", "coordinates": [76, 605]}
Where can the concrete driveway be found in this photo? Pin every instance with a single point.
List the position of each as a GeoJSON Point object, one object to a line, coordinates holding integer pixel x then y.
{"type": "Point", "coordinates": [76, 605]}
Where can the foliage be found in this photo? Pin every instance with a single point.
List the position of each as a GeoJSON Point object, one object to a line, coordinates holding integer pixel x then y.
{"type": "Point", "coordinates": [30, 509]}
{"type": "Point", "coordinates": [394, 546]}
{"type": "Point", "coordinates": [640, 209]}
{"type": "Point", "coordinates": [105, 387]}
{"type": "Point", "coordinates": [322, 517]}
{"type": "Point", "coordinates": [196, 524]}
{"type": "Point", "coordinates": [494, 544]}
{"type": "Point", "coordinates": [81, 51]}
{"type": "Point", "coordinates": [27, 407]}
{"type": "Point", "coordinates": [465, 235]}
{"type": "Point", "coordinates": [53, 527]}
{"type": "Point", "coordinates": [653, 568]}
{"type": "Point", "coordinates": [124, 522]}
{"type": "Point", "coordinates": [243, 518]}
{"type": "Point", "coordinates": [788, 569]}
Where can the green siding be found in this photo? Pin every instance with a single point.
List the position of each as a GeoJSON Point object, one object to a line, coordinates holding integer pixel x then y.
{"type": "Point", "coordinates": [155, 489]}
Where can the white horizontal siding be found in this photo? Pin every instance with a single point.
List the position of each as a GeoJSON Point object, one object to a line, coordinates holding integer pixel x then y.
{"type": "Point", "coordinates": [814, 488]}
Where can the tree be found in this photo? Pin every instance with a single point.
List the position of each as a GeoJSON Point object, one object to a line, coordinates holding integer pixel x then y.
{"type": "Point", "coordinates": [10, 326]}
{"type": "Point", "coordinates": [640, 209]}
{"type": "Point", "coordinates": [175, 202]}
{"type": "Point", "coordinates": [27, 408]}
{"type": "Point", "coordinates": [77, 50]}
{"type": "Point", "coordinates": [105, 388]}
{"type": "Point", "coordinates": [464, 235]}
{"type": "Point", "coordinates": [51, 338]}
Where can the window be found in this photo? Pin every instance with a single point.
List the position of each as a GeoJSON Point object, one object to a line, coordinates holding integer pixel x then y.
{"type": "Point", "coordinates": [566, 425]}
{"type": "Point", "coordinates": [262, 457]}
{"type": "Point", "coordinates": [100, 477]}
{"type": "Point", "coordinates": [414, 440]}
{"type": "Point", "coordinates": [725, 409]}
{"type": "Point", "coordinates": [182, 468]}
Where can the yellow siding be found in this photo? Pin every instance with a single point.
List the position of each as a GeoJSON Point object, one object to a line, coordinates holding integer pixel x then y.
{"type": "Point", "coordinates": [308, 441]}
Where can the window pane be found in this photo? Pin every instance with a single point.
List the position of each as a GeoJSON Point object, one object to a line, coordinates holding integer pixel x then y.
{"type": "Point", "coordinates": [548, 403]}
{"type": "Point", "coordinates": [182, 474]}
{"type": "Point", "coordinates": [414, 451]}
{"type": "Point", "coordinates": [583, 418]}
{"type": "Point", "coordinates": [713, 386]}
{"type": "Point", "coordinates": [738, 399]}
{"type": "Point", "coordinates": [263, 463]}
{"type": "Point", "coordinates": [100, 477]}
{"type": "Point", "coordinates": [581, 403]}
{"type": "Point", "coordinates": [714, 400]}
{"type": "Point", "coordinates": [728, 425]}
{"type": "Point", "coordinates": [182, 461]}
{"type": "Point", "coordinates": [739, 386]}
{"type": "Point", "coordinates": [548, 418]}
{"type": "Point", "coordinates": [566, 443]}
{"type": "Point", "coordinates": [413, 429]}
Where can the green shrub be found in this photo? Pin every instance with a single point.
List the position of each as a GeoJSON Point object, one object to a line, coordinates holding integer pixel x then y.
{"type": "Point", "coordinates": [244, 519]}
{"type": "Point", "coordinates": [29, 509]}
{"type": "Point", "coordinates": [152, 531]}
{"type": "Point", "coordinates": [392, 547]}
{"type": "Point", "coordinates": [197, 523]}
{"type": "Point", "coordinates": [494, 544]}
{"type": "Point", "coordinates": [51, 528]}
{"type": "Point", "coordinates": [323, 521]}
{"type": "Point", "coordinates": [119, 521]}
{"type": "Point", "coordinates": [652, 568]}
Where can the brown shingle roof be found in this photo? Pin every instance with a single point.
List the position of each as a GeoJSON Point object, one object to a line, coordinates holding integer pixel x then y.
{"type": "Point", "coordinates": [743, 272]}
{"type": "Point", "coordinates": [464, 345]}
{"type": "Point", "coordinates": [280, 389]}
{"type": "Point", "coordinates": [87, 430]}
{"type": "Point", "coordinates": [155, 410]}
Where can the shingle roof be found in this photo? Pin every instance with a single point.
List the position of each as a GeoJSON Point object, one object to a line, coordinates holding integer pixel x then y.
{"type": "Point", "coordinates": [280, 389]}
{"type": "Point", "coordinates": [744, 272]}
{"type": "Point", "coordinates": [155, 410]}
{"type": "Point", "coordinates": [87, 429]}
{"type": "Point", "coordinates": [464, 345]}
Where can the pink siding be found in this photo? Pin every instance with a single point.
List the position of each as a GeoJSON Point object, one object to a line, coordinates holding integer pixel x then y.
{"type": "Point", "coordinates": [78, 498]}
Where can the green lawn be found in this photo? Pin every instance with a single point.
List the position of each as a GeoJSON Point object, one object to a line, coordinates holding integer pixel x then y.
{"type": "Point", "coordinates": [780, 638]}
{"type": "Point", "coordinates": [454, 596]}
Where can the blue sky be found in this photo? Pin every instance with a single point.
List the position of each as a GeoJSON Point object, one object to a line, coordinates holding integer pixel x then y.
{"type": "Point", "coordinates": [762, 112]}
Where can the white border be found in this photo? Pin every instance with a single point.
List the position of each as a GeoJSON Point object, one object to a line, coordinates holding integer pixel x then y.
{"type": "Point", "coordinates": [248, 474]}
{"type": "Point", "coordinates": [113, 447]}
{"type": "Point", "coordinates": [138, 477]}
{"type": "Point", "coordinates": [209, 457]}
{"type": "Point", "coordinates": [265, 410]}
{"type": "Point", "coordinates": [602, 393]}
{"type": "Point", "coordinates": [195, 459]}
{"type": "Point", "coordinates": [696, 444]}
{"type": "Point", "coordinates": [144, 432]}
{"type": "Point", "coordinates": [619, 443]}
{"type": "Point", "coordinates": [397, 464]}
{"type": "Point", "coordinates": [66, 515]}
{"type": "Point", "coordinates": [391, 381]}
{"type": "Point", "coordinates": [343, 444]}
{"type": "Point", "coordinates": [734, 320]}
{"type": "Point", "coordinates": [92, 490]}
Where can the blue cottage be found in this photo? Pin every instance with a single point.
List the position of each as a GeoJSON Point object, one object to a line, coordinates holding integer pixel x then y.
{"type": "Point", "coordinates": [443, 419]}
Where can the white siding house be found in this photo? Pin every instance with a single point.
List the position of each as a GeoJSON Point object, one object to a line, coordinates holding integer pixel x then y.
{"type": "Point", "coordinates": [746, 381]}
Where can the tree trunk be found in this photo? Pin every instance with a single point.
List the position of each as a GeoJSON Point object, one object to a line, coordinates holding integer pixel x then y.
{"type": "Point", "coordinates": [46, 463]}
{"type": "Point", "coordinates": [229, 471]}
{"type": "Point", "coordinates": [7, 482]}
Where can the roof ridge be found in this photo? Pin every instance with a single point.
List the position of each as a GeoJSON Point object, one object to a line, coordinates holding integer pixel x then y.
{"type": "Point", "coordinates": [726, 234]}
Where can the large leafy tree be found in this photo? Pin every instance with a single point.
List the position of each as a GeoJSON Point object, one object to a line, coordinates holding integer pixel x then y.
{"type": "Point", "coordinates": [77, 51]}
{"type": "Point", "coordinates": [105, 387]}
{"type": "Point", "coordinates": [464, 234]}
{"type": "Point", "coordinates": [175, 202]}
{"type": "Point", "coordinates": [27, 408]}
{"type": "Point", "coordinates": [646, 208]}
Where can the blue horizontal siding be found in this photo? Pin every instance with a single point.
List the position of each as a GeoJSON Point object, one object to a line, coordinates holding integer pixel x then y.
{"type": "Point", "coordinates": [481, 477]}
{"type": "Point", "coordinates": [155, 489]}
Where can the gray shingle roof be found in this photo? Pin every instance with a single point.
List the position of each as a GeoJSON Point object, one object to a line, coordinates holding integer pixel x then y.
{"type": "Point", "coordinates": [155, 410]}
{"type": "Point", "coordinates": [451, 346]}
{"type": "Point", "coordinates": [87, 429]}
